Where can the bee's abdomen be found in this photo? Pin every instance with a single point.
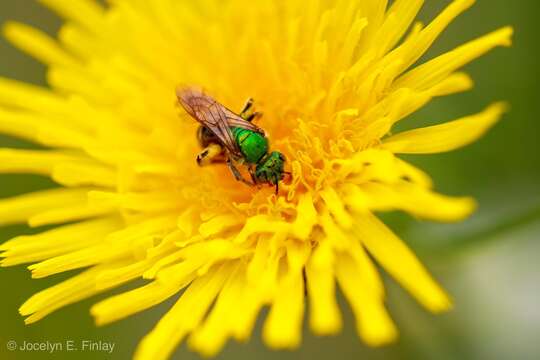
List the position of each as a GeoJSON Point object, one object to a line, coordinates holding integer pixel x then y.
{"type": "Point", "coordinates": [252, 144]}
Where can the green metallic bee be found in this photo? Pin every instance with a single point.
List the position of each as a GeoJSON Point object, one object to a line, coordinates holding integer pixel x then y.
{"type": "Point", "coordinates": [228, 137]}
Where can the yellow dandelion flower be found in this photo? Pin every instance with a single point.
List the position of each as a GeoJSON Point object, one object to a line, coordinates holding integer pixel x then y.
{"type": "Point", "coordinates": [331, 77]}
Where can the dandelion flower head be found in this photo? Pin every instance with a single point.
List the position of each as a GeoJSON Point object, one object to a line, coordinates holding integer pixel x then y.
{"type": "Point", "coordinates": [331, 77]}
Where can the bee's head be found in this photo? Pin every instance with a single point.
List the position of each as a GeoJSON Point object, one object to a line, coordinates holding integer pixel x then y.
{"type": "Point", "coordinates": [271, 169]}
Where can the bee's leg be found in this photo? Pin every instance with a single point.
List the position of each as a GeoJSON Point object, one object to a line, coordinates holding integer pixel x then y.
{"type": "Point", "coordinates": [209, 155]}
{"type": "Point", "coordinates": [236, 173]}
{"type": "Point", "coordinates": [247, 106]}
{"type": "Point", "coordinates": [252, 174]}
{"type": "Point", "coordinates": [254, 115]}
{"type": "Point", "coordinates": [245, 111]}
{"type": "Point", "coordinates": [288, 173]}
{"type": "Point", "coordinates": [277, 184]}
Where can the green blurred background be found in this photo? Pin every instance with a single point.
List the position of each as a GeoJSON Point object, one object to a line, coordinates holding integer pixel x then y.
{"type": "Point", "coordinates": [488, 263]}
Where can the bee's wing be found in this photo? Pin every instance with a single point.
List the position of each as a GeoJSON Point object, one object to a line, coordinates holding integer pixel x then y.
{"type": "Point", "coordinates": [209, 113]}
{"type": "Point", "coordinates": [237, 121]}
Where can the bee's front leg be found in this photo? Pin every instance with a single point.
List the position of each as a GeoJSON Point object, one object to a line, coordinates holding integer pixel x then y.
{"type": "Point", "coordinates": [252, 174]}
{"type": "Point", "coordinates": [236, 173]}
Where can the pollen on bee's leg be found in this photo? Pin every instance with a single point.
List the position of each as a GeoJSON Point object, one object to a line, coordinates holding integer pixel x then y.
{"type": "Point", "coordinates": [209, 155]}
{"type": "Point", "coordinates": [201, 157]}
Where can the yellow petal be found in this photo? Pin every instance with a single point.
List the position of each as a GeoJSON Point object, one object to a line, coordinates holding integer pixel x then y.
{"type": "Point", "coordinates": [113, 277]}
{"type": "Point", "coordinates": [35, 162]}
{"type": "Point", "coordinates": [85, 257]}
{"type": "Point", "coordinates": [396, 258]}
{"type": "Point", "coordinates": [20, 208]}
{"type": "Point", "coordinates": [362, 287]}
{"type": "Point", "coordinates": [434, 71]}
{"type": "Point", "coordinates": [31, 97]}
{"type": "Point", "coordinates": [88, 13]}
{"type": "Point", "coordinates": [74, 289]}
{"type": "Point", "coordinates": [77, 81]}
{"type": "Point", "coordinates": [414, 174]}
{"type": "Point", "coordinates": [56, 128]}
{"type": "Point", "coordinates": [455, 83]}
{"type": "Point", "coordinates": [184, 316]}
{"type": "Point", "coordinates": [306, 217]}
{"type": "Point", "coordinates": [124, 243]}
{"type": "Point", "coordinates": [37, 44]}
{"type": "Point", "coordinates": [261, 282]}
{"type": "Point", "coordinates": [324, 314]}
{"type": "Point", "coordinates": [62, 214]}
{"type": "Point", "coordinates": [77, 174]}
{"type": "Point", "coordinates": [413, 49]}
{"type": "Point", "coordinates": [398, 19]}
{"type": "Point", "coordinates": [283, 326]}
{"type": "Point", "coordinates": [131, 302]}
{"type": "Point", "coordinates": [152, 202]}
{"type": "Point", "coordinates": [447, 136]}
{"type": "Point", "coordinates": [260, 224]}
{"type": "Point", "coordinates": [336, 207]}
{"type": "Point", "coordinates": [211, 336]}
{"type": "Point", "coordinates": [58, 241]}
{"type": "Point", "coordinates": [280, 283]}
{"type": "Point", "coordinates": [413, 199]}
{"type": "Point", "coordinates": [219, 224]}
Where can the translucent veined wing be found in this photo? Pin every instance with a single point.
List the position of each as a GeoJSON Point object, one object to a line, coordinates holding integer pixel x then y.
{"type": "Point", "coordinates": [235, 120]}
{"type": "Point", "coordinates": [209, 113]}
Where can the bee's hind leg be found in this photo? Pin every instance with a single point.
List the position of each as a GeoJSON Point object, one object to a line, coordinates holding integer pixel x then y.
{"type": "Point", "coordinates": [210, 154]}
{"type": "Point", "coordinates": [236, 173]}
